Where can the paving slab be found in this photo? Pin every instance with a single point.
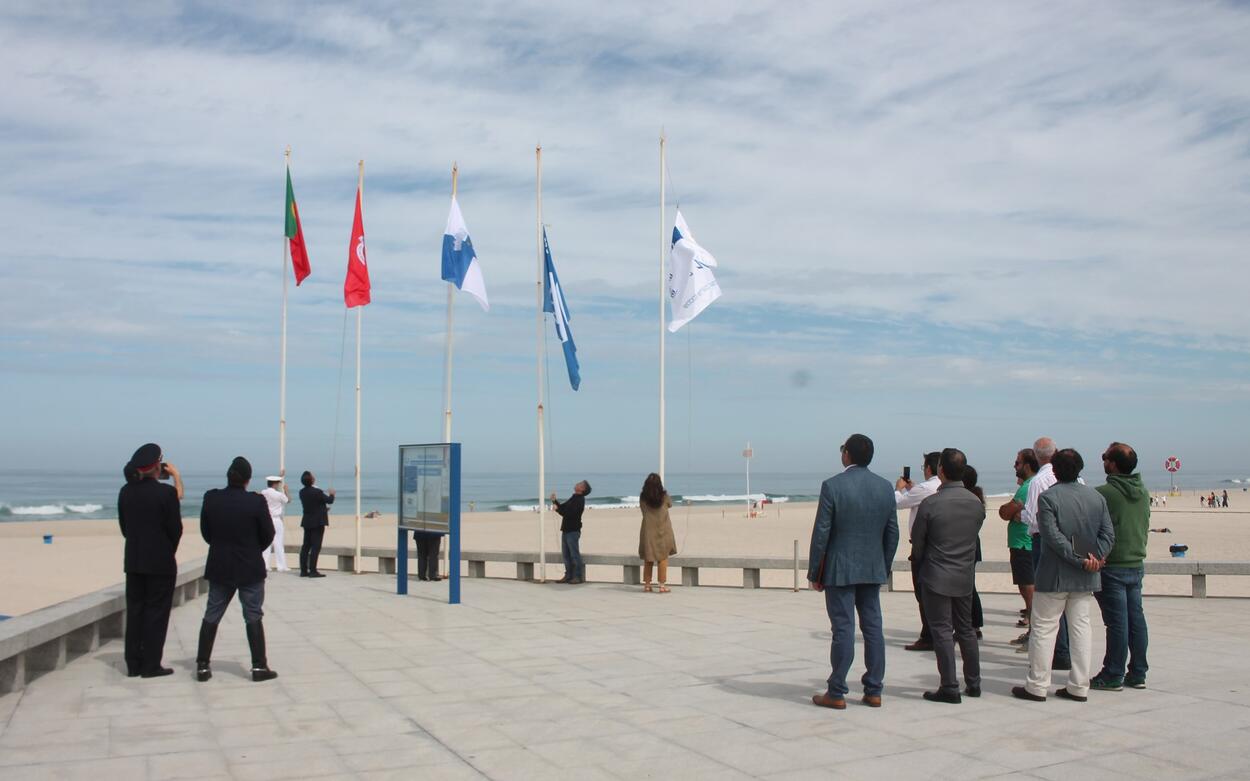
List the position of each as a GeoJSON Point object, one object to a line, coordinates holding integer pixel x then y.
{"type": "Point", "coordinates": [603, 681]}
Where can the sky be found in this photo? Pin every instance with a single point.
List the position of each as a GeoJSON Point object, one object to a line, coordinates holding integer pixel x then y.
{"type": "Point", "coordinates": [939, 224]}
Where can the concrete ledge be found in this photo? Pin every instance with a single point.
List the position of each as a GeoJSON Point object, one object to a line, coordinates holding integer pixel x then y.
{"type": "Point", "coordinates": [45, 639]}
{"type": "Point", "coordinates": [751, 566]}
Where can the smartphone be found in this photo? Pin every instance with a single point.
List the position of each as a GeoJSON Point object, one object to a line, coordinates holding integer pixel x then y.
{"type": "Point", "coordinates": [164, 471]}
{"type": "Point", "coordinates": [907, 473]}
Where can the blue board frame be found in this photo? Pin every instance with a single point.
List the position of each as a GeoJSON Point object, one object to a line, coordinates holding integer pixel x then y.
{"type": "Point", "coordinates": [453, 525]}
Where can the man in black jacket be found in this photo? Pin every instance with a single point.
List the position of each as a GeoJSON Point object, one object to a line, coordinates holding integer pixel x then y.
{"type": "Point", "coordinates": [570, 512]}
{"type": "Point", "coordinates": [316, 518]}
{"type": "Point", "coordinates": [236, 525]}
{"type": "Point", "coordinates": [151, 521]}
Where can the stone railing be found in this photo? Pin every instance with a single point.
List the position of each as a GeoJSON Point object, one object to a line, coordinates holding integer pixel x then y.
{"type": "Point", "coordinates": [751, 566]}
{"type": "Point", "coordinates": [44, 640]}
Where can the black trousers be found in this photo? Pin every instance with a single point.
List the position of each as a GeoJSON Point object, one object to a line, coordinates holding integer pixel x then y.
{"type": "Point", "coordinates": [311, 549]}
{"type": "Point", "coordinates": [925, 632]}
{"type": "Point", "coordinates": [427, 554]}
{"type": "Point", "coordinates": [149, 599]}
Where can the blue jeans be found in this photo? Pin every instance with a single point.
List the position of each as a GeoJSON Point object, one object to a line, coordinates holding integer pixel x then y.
{"type": "Point", "coordinates": [842, 603]}
{"type": "Point", "coordinates": [1120, 602]}
{"type": "Point", "coordinates": [571, 550]}
{"type": "Point", "coordinates": [1061, 638]}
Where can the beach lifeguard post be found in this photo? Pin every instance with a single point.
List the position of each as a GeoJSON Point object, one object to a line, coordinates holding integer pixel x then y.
{"type": "Point", "coordinates": [429, 501]}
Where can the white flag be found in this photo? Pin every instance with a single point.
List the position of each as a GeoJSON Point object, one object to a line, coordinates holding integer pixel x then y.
{"type": "Point", "coordinates": [691, 285]}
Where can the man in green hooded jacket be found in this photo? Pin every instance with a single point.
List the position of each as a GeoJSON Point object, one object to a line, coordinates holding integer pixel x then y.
{"type": "Point", "coordinates": [1120, 598]}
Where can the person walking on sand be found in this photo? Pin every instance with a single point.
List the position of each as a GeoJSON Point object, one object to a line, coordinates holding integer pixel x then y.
{"type": "Point", "coordinates": [276, 497]}
{"type": "Point", "coordinates": [151, 521]}
{"type": "Point", "coordinates": [655, 537]}
{"type": "Point", "coordinates": [570, 511]}
{"type": "Point", "coordinates": [316, 518]}
{"type": "Point", "coordinates": [236, 525]}
{"type": "Point", "coordinates": [854, 540]}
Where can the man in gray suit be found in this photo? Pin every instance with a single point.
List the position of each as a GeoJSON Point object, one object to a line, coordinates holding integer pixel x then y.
{"type": "Point", "coordinates": [944, 555]}
{"type": "Point", "coordinates": [1076, 535]}
{"type": "Point", "coordinates": [853, 544]}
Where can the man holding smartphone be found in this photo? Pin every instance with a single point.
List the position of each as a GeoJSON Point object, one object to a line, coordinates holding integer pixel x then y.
{"type": "Point", "coordinates": [150, 517]}
{"type": "Point", "coordinates": [908, 496]}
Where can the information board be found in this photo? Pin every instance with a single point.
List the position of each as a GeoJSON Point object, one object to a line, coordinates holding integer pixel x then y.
{"type": "Point", "coordinates": [425, 487]}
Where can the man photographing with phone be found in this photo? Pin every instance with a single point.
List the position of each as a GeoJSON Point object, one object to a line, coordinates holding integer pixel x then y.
{"type": "Point", "coordinates": [908, 496]}
{"type": "Point", "coordinates": [150, 517]}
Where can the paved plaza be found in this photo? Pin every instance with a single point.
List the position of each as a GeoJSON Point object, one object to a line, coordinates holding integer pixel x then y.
{"type": "Point", "coordinates": [601, 681]}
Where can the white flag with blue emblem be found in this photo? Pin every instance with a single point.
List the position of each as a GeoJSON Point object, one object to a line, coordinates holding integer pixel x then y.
{"type": "Point", "coordinates": [553, 302]}
{"type": "Point", "coordinates": [460, 265]}
{"type": "Point", "coordinates": [691, 284]}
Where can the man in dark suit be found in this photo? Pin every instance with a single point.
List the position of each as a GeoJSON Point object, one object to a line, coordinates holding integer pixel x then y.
{"type": "Point", "coordinates": [151, 521]}
{"type": "Point", "coordinates": [852, 550]}
{"type": "Point", "coordinates": [428, 544]}
{"type": "Point", "coordinates": [944, 555]}
{"type": "Point", "coordinates": [316, 518]}
{"type": "Point", "coordinates": [236, 525]}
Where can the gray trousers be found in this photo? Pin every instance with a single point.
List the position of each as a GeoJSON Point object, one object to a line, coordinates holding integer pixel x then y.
{"type": "Point", "coordinates": [950, 620]}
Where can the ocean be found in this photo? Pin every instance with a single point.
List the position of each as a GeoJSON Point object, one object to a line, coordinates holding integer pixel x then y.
{"type": "Point", "coordinates": [47, 495]}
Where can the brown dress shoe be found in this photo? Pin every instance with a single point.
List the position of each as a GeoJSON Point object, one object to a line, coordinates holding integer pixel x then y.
{"type": "Point", "coordinates": [919, 645]}
{"type": "Point", "coordinates": [825, 701]}
{"type": "Point", "coordinates": [872, 700]}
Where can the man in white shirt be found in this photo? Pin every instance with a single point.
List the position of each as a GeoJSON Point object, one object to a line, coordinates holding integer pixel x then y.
{"type": "Point", "coordinates": [1045, 449]}
{"type": "Point", "coordinates": [276, 496]}
{"type": "Point", "coordinates": [908, 496]}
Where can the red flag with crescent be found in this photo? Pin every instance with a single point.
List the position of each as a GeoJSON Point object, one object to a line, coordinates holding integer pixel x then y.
{"type": "Point", "coordinates": [356, 286]}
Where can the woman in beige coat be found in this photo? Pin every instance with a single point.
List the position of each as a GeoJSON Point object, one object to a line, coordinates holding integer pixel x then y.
{"type": "Point", "coordinates": [655, 538]}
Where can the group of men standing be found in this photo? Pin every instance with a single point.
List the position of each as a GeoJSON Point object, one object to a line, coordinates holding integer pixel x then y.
{"type": "Point", "coordinates": [1070, 544]}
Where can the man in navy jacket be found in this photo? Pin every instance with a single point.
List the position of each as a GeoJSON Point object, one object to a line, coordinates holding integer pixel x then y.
{"type": "Point", "coordinates": [853, 544]}
{"type": "Point", "coordinates": [236, 525]}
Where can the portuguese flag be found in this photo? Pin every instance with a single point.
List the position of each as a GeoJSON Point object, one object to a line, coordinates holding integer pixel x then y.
{"type": "Point", "coordinates": [295, 233]}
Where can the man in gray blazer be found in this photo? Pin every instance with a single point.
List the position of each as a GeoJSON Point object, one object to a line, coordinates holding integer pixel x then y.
{"type": "Point", "coordinates": [944, 555]}
{"type": "Point", "coordinates": [1076, 535]}
{"type": "Point", "coordinates": [853, 544]}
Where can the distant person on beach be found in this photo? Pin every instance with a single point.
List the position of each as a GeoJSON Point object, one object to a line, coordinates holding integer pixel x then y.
{"type": "Point", "coordinates": [276, 497]}
{"type": "Point", "coordinates": [978, 612]}
{"type": "Point", "coordinates": [1122, 575]}
{"type": "Point", "coordinates": [1225, 504]}
{"type": "Point", "coordinates": [853, 543]}
{"type": "Point", "coordinates": [1045, 449]}
{"type": "Point", "coordinates": [316, 518]}
{"type": "Point", "coordinates": [655, 537]}
{"type": "Point", "coordinates": [1076, 535]}
{"type": "Point", "coordinates": [570, 511]}
{"type": "Point", "coordinates": [1019, 541]}
{"type": "Point", "coordinates": [150, 517]}
{"type": "Point", "coordinates": [944, 554]}
{"type": "Point", "coordinates": [237, 527]}
{"type": "Point", "coordinates": [908, 496]}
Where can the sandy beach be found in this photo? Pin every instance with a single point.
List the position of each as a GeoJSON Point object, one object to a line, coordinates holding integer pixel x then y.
{"type": "Point", "coordinates": [86, 555]}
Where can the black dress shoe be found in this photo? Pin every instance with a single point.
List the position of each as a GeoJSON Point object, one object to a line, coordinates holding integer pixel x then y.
{"type": "Point", "coordinates": [1067, 695]}
{"type": "Point", "coordinates": [942, 695]}
{"type": "Point", "coordinates": [315, 575]}
{"type": "Point", "coordinates": [159, 672]}
{"type": "Point", "coordinates": [303, 574]}
{"type": "Point", "coordinates": [1021, 693]}
{"type": "Point", "coordinates": [260, 674]}
{"type": "Point", "coordinates": [973, 691]}
{"type": "Point", "coordinates": [422, 577]}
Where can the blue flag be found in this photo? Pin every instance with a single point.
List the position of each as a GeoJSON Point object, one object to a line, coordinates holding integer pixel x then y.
{"type": "Point", "coordinates": [553, 302]}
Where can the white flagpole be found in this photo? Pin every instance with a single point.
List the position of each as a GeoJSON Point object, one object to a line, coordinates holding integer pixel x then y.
{"type": "Point", "coordinates": [286, 250]}
{"type": "Point", "coordinates": [538, 294]}
{"type": "Point", "coordinates": [360, 186]}
{"type": "Point", "coordinates": [451, 290]}
{"type": "Point", "coordinates": [663, 272]}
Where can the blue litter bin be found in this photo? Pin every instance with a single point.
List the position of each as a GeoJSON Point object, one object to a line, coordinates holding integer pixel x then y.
{"type": "Point", "coordinates": [1178, 550]}
{"type": "Point", "coordinates": [47, 539]}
